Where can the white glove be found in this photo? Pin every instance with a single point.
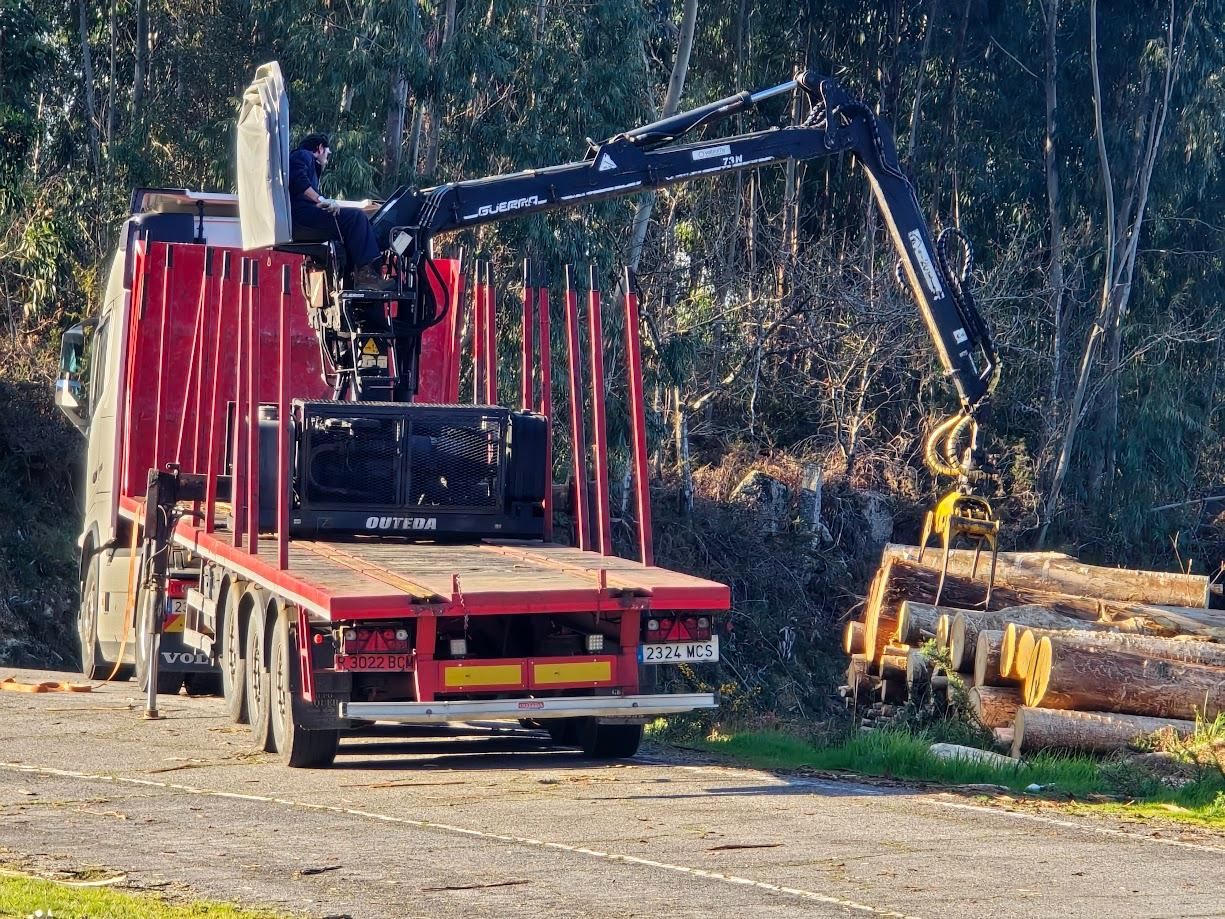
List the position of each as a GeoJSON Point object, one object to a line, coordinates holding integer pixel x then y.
{"type": "Point", "coordinates": [328, 205]}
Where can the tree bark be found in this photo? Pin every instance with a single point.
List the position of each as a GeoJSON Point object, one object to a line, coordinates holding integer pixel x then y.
{"type": "Point", "coordinates": [1088, 732]}
{"type": "Point", "coordinates": [1058, 573]}
{"type": "Point", "coordinates": [918, 671]}
{"type": "Point", "coordinates": [994, 706]}
{"type": "Point", "coordinates": [987, 659]}
{"type": "Point", "coordinates": [1070, 676]}
{"type": "Point", "coordinates": [853, 638]}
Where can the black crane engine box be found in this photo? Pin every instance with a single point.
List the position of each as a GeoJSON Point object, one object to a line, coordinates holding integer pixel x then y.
{"type": "Point", "coordinates": [454, 472]}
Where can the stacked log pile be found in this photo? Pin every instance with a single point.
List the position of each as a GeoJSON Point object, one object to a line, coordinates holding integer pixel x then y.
{"type": "Point", "coordinates": [1065, 655]}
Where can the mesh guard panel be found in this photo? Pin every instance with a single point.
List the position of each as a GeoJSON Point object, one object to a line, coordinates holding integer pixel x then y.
{"type": "Point", "coordinates": [455, 463]}
{"type": "Point", "coordinates": [354, 461]}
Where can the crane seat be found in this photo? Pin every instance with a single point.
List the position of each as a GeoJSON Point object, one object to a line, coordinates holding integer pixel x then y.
{"type": "Point", "coordinates": [961, 517]}
{"type": "Point", "coordinates": [316, 246]}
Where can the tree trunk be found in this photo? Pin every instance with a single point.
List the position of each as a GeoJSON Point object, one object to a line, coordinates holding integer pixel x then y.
{"type": "Point", "coordinates": [912, 142]}
{"type": "Point", "coordinates": [994, 706]}
{"type": "Point", "coordinates": [433, 142]}
{"type": "Point", "coordinates": [987, 659]}
{"type": "Point", "coordinates": [1054, 208]}
{"type": "Point", "coordinates": [393, 138]}
{"type": "Point", "coordinates": [676, 85]}
{"type": "Point", "coordinates": [91, 101]}
{"type": "Point", "coordinates": [1088, 732]}
{"type": "Point", "coordinates": [140, 68]}
{"type": "Point", "coordinates": [1070, 676]}
{"type": "Point", "coordinates": [1058, 573]}
{"type": "Point", "coordinates": [1120, 248]}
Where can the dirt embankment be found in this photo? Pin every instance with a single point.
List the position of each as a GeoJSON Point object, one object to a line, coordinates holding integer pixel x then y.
{"type": "Point", "coordinates": [41, 460]}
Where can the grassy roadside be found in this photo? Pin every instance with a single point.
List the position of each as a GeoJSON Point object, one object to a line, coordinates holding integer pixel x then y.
{"type": "Point", "coordinates": [24, 896]}
{"type": "Point", "coordinates": [1114, 786]}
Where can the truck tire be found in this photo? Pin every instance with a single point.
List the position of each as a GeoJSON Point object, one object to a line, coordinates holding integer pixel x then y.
{"type": "Point", "coordinates": [563, 731]}
{"type": "Point", "coordinates": [298, 746]}
{"type": "Point", "coordinates": [93, 665]}
{"type": "Point", "coordinates": [233, 665]}
{"type": "Point", "coordinates": [168, 681]}
{"type": "Point", "coordinates": [259, 679]}
{"type": "Point", "coordinates": [608, 741]}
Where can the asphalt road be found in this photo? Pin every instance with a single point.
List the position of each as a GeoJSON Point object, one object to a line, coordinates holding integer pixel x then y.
{"type": "Point", "coordinates": [481, 821]}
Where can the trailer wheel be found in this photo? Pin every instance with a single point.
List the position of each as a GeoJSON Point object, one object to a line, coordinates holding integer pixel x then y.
{"type": "Point", "coordinates": [298, 746]}
{"type": "Point", "coordinates": [233, 665]}
{"type": "Point", "coordinates": [259, 679]}
{"type": "Point", "coordinates": [168, 681]}
{"type": "Point", "coordinates": [608, 741]}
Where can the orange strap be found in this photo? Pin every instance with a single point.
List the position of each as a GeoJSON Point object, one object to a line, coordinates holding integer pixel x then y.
{"type": "Point", "coordinates": [12, 684]}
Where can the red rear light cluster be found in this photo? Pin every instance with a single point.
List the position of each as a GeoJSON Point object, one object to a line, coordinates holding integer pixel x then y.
{"type": "Point", "coordinates": [374, 641]}
{"type": "Point", "coordinates": [176, 589]}
{"type": "Point", "coordinates": [677, 628]}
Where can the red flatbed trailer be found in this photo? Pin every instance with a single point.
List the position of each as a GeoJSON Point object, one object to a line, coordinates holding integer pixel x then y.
{"type": "Point", "coordinates": [215, 338]}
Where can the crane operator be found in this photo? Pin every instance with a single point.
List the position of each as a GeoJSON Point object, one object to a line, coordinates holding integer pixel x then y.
{"type": "Point", "coordinates": [311, 210]}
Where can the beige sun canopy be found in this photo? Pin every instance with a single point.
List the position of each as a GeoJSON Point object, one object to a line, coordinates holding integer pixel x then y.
{"type": "Point", "coordinates": [263, 161]}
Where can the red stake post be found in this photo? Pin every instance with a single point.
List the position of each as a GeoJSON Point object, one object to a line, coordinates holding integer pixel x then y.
{"type": "Point", "coordinates": [526, 389]}
{"type": "Point", "coordinates": [478, 332]}
{"type": "Point", "coordinates": [491, 339]}
{"type": "Point", "coordinates": [216, 403]}
{"type": "Point", "coordinates": [238, 484]}
{"type": "Point", "coordinates": [595, 336]}
{"type": "Point", "coordinates": [638, 421]}
{"type": "Point", "coordinates": [546, 405]}
{"type": "Point", "coordinates": [282, 444]}
{"type": "Point", "coordinates": [252, 417]}
{"type": "Point", "coordinates": [578, 433]}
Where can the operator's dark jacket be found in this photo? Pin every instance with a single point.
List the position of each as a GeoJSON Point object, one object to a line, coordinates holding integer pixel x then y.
{"type": "Point", "coordinates": [350, 225]}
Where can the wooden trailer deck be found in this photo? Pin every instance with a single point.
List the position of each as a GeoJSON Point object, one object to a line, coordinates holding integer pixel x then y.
{"type": "Point", "coordinates": [381, 577]}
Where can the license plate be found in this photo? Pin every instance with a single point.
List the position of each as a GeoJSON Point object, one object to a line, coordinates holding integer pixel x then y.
{"type": "Point", "coordinates": [350, 662]}
{"type": "Point", "coordinates": [680, 652]}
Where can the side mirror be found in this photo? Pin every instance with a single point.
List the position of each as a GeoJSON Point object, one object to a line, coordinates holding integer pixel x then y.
{"type": "Point", "coordinates": [70, 392]}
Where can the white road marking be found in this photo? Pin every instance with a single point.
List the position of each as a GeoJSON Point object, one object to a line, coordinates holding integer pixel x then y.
{"type": "Point", "coordinates": [465, 831]}
{"type": "Point", "coordinates": [1073, 825]}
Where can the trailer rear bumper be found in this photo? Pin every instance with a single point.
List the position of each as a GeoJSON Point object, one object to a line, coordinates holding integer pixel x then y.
{"type": "Point", "coordinates": [617, 707]}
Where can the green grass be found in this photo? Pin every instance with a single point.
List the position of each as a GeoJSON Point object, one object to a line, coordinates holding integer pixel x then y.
{"type": "Point", "coordinates": [23, 896]}
{"type": "Point", "coordinates": [904, 755]}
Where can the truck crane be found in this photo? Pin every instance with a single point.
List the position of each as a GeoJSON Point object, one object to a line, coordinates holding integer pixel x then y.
{"type": "Point", "coordinates": [284, 497]}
